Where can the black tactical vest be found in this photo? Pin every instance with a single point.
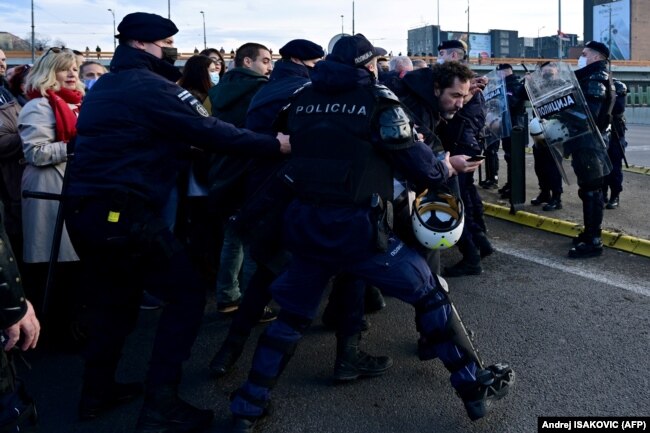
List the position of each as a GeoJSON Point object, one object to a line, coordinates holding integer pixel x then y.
{"type": "Point", "coordinates": [333, 160]}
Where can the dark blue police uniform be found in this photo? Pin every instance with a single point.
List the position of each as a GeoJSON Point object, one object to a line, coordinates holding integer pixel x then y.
{"type": "Point", "coordinates": [589, 161]}
{"type": "Point", "coordinates": [134, 135]}
{"type": "Point", "coordinates": [616, 148]}
{"type": "Point", "coordinates": [348, 136]}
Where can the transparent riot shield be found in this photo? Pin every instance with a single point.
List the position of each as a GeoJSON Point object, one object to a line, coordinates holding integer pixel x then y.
{"type": "Point", "coordinates": [568, 126]}
{"type": "Point", "coordinates": [497, 116]}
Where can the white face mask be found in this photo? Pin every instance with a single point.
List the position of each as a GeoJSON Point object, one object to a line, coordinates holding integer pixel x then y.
{"type": "Point", "coordinates": [582, 62]}
{"type": "Point", "coordinates": [440, 60]}
{"type": "Point", "coordinates": [214, 78]}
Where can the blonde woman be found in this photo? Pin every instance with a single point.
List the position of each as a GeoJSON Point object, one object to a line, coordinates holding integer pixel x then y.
{"type": "Point", "coordinates": [47, 124]}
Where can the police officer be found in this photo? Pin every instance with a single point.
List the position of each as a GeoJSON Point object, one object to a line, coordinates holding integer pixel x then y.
{"type": "Point", "coordinates": [516, 94]}
{"type": "Point", "coordinates": [548, 174]}
{"type": "Point", "coordinates": [616, 148]}
{"type": "Point", "coordinates": [260, 223]}
{"type": "Point", "coordinates": [590, 162]}
{"type": "Point", "coordinates": [349, 135]}
{"type": "Point", "coordinates": [134, 136]}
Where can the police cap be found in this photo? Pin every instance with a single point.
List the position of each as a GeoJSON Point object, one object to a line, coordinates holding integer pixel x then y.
{"type": "Point", "coordinates": [302, 49]}
{"type": "Point", "coordinates": [452, 43]}
{"type": "Point", "coordinates": [141, 26]}
{"type": "Point", "coordinates": [355, 51]}
{"type": "Point", "coordinates": [503, 66]}
{"type": "Point", "coordinates": [598, 46]}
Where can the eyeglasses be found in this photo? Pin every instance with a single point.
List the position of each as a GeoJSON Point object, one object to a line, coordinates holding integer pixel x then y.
{"type": "Point", "coordinates": [56, 50]}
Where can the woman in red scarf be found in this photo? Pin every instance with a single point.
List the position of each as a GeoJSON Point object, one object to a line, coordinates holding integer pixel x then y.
{"type": "Point", "coordinates": [46, 124]}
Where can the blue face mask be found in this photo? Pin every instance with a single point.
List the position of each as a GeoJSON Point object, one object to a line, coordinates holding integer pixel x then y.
{"type": "Point", "coordinates": [90, 83]}
{"type": "Point", "coordinates": [214, 78]}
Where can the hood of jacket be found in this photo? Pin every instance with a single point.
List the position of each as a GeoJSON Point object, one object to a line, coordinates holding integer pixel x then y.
{"type": "Point", "coordinates": [331, 76]}
{"type": "Point", "coordinates": [420, 82]}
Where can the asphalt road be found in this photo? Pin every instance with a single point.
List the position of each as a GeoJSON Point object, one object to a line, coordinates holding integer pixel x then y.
{"type": "Point", "coordinates": [638, 148]}
{"type": "Point", "coordinates": [576, 332]}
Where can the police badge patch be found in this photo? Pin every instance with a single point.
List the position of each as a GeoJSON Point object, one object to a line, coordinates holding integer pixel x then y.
{"type": "Point", "coordinates": [188, 98]}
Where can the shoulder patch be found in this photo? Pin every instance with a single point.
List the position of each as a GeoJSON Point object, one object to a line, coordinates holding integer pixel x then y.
{"type": "Point", "coordinates": [189, 99]}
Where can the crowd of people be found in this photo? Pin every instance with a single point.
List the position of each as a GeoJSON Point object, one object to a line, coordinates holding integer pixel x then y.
{"type": "Point", "coordinates": [270, 182]}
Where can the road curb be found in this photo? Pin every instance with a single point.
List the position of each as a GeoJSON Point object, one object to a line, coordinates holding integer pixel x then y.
{"type": "Point", "coordinates": [631, 169]}
{"type": "Point", "coordinates": [614, 240]}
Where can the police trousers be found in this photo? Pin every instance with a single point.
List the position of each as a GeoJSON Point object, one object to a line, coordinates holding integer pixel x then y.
{"type": "Point", "coordinates": [122, 255]}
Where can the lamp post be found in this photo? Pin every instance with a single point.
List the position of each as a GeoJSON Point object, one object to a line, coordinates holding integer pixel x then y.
{"type": "Point", "coordinates": [539, 43]}
{"type": "Point", "coordinates": [342, 32]}
{"type": "Point", "coordinates": [33, 48]}
{"type": "Point", "coordinates": [114, 41]}
{"type": "Point", "coordinates": [205, 43]}
{"type": "Point", "coordinates": [438, 39]}
{"type": "Point", "coordinates": [169, 9]}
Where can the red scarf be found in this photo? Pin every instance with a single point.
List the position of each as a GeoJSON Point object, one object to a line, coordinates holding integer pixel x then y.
{"type": "Point", "coordinates": [66, 117]}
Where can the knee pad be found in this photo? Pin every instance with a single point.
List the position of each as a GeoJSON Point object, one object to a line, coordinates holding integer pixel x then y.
{"type": "Point", "coordinates": [278, 343]}
{"type": "Point", "coordinates": [438, 322]}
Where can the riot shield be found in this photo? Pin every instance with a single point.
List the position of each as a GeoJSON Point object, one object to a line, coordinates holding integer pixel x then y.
{"type": "Point", "coordinates": [497, 117]}
{"type": "Point", "coordinates": [569, 128]}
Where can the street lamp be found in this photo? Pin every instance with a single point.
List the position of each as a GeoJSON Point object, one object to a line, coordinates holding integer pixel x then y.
{"type": "Point", "coordinates": [205, 43]}
{"type": "Point", "coordinates": [539, 43]}
{"type": "Point", "coordinates": [342, 32]}
{"type": "Point", "coordinates": [114, 40]}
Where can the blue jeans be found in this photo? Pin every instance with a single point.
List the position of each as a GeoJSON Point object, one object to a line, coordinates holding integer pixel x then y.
{"type": "Point", "coordinates": [235, 261]}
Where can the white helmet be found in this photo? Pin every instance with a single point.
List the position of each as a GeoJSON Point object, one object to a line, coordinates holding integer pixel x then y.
{"type": "Point", "coordinates": [535, 130]}
{"type": "Point", "coordinates": [556, 131]}
{"type": "Point", "coordinates": [438, 220]}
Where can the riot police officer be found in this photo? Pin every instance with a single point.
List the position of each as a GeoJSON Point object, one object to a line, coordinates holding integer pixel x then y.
{"type": "Point", "coordinates": [516, 94]}
{"type": "Point", "coordinates": [590, 163]}
{"type": "Point", "coordinates": [134, 136]}
{"type": "Point", "coordinates": [616, 148]}
{"type": "Point", "coordinates": [349, 135]}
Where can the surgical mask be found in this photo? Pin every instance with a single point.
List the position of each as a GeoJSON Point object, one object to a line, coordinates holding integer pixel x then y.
{"type": "Point", "coordinates": [440, 60]}
{"type": "Point", "coordinates": [169, 54]}
{"type": "Point", "coordinates": [214, 78]}
{"type": "Point", "coordinates": [582, 62]}
{"type": "Point", "coordinates": [90, 83]}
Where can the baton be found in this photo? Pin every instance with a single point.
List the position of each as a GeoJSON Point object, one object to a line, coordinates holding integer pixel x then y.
{"type": "Point", "coordinates": [58, 231]}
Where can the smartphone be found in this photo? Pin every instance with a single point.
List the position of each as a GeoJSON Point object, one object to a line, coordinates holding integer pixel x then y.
{"type": "Point", "coordinates": [476, 158]}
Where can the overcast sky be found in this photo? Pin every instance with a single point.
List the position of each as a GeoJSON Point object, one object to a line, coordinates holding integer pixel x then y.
{"type": "Point", "coordinates": [230, 23]}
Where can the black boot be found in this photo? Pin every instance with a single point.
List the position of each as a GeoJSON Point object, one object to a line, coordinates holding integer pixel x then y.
{"type": "Point", "coordinates": [542, 197]}
{"type": "Point", "coordinates": [352, 363]}
{"type": "Point", "coordinates": [483, 244]}
{"type": "Point", "coordinates": [555, 203]}
{"type": "Point", "coordinates": [469, 265]}
{"type": "Point", "coordinates": [492, 383]}
{"type": "Point", "coordinates": [589, 248]}
{"type": "Point", "coordinates": [373, 299]}
{"type": "Point", "coordinates": [95, 402]}
{"type": "Point", "coordinates": [164, 412]}
{"type": "Point", "coordinates": [613, 202]}
{"type": "Point", "coordinates": [227, 355]}
{"type": "Point", "coordinates": [590, 244]}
